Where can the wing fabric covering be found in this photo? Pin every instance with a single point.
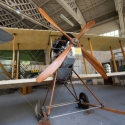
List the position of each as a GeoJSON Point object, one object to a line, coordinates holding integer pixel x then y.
{"type": "Point", "coordinates": [57, 62]}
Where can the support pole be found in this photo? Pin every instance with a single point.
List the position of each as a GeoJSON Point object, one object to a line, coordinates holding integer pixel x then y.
{"type": "Point", "coordinates": [17, 62]}
{"type": "Point", "coordinates": [51, 41]}
{"type": "Point", "coordinates": [47, 93]}
{"type": "Point", "coordinates": [71, 92]}
{"type": "Point", "coordinates": [88, 88]}
{"type": "Point", "coordinates": [24, 90]}
{"type": "Point", "coordinates": [90, 46]}
{"type": "Point", "coordinates": [12, 76]}
{"type": "Point", "coordinates": [84, 60]}
{"type": "Point", "coordinates": [51, 46]}
{"type": "Point", "coordinates": [113, 59]}
{"type": "Point", "coordinates": [73, 89]}
{"type": "Point", "coordinates": [91, 49]}
{"type": "Point", "coordinates": [86, 70]}
{"type": "Point", "coordinates": [52, 93]}
{"type": "Point", "coordinates": [123, 52]}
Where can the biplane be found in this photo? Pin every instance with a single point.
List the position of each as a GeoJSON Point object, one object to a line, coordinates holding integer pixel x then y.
{"type": "Point", "coordinates": [63, 64]}
{"type": "Point", "coordinates": [61, 67]}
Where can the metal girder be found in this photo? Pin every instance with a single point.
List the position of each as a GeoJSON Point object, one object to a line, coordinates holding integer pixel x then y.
{"type": "Point", "coordinates": [93, 18]}
{"type": "Point", "coordinates": [8, 20]}
{"type": "Point", "coordinates": [93, 6]}
{"type": "Point", "coordinates": [119, 8]}
{"type": "Point", "coordinates": [16, 23]}
{"type": "Point", "coordinates": [26, 8]}
{"type": "Point", "coordinates": [71, 7]}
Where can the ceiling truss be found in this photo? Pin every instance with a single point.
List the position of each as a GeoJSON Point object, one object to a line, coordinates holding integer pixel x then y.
{"type": "Point", "coordinates": [119, 8]}
{"type": "Point", "coordinates": [77, 11]}
{"type": "Point", "coordinates": [26, 9]}
{"type": "Point", "coordinates": [8, 20]}
{"type": "Point", "coordinates": [71, 7]}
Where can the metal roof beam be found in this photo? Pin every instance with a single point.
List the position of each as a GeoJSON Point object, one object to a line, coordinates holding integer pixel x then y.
{"type": "Point", "coordinates": [119, 8]}
{"type": "Point", "coordinates": [12, 9]}
{"type": "Point", "coordinates": [10, 20]}
{"type": "Point", "coordinates": [94, 6]}
{"type": "Point", "coordinates": [73, 10]}
{"type": "Point", "coordinates": [55, 12]}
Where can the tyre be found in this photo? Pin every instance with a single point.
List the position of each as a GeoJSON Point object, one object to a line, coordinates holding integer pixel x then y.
{"type": "Point", "coordinates": [83, 98]}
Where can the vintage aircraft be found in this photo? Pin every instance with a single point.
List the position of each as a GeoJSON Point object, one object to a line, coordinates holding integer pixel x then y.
{"type": "Point", "coordinates": [62, 68]}
{"type": "Point", "coordinates": [62, 63]}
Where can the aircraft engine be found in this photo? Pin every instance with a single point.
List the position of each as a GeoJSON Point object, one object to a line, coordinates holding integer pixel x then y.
{"type": "Point", "coordinates": [64, 73]}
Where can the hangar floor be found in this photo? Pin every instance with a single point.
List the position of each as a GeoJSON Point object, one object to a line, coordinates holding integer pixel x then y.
{"type": "Point", "coordinates": [15, 110]}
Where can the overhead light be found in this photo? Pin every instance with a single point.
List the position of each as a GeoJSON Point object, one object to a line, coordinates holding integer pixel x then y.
{"type": "Point", "coordinates": [66, 19]}
{"type": "Point", "coordinates": [22, 17]}
{"type": "Point", "coordinates": [18, 11]}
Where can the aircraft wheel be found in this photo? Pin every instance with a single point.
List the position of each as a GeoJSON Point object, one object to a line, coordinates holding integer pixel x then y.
{"type": "Point", "coordinates": [38, 110]}
{"type": "Point", "coordinates": [83, 98]}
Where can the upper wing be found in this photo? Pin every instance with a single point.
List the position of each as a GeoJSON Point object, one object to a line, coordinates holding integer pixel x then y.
{"type": "Point", "coordinates": [99, 43]}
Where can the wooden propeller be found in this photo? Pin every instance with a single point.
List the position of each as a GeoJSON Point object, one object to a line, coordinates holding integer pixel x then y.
{"type": "Point", "coordinates": [53, 23]}
{"type": "Point", "coordinates": [94, 62]}
{"type": "Point", "coordinates": [54, 65]}
{"type": "Point", "coordinates": [57, 62]}
{"type": "Point", "coordinates": [107, 109]}
{"type": "Point", "coordinates": [85, 28]}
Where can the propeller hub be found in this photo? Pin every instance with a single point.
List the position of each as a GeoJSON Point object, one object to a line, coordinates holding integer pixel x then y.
{"type": "Point", "coordinates": [75, 41]}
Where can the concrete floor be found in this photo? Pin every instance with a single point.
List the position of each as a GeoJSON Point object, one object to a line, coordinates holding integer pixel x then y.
{"type": "Point", "coordinates": [15, 110]}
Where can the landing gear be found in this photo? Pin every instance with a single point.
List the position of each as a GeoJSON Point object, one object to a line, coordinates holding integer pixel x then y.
{"type": "Point", "coordinates": [41, 114]}
{"type": "Point", "coordinates": [83, 98]}
{"type": "Point", "coordinates": [38, 110]}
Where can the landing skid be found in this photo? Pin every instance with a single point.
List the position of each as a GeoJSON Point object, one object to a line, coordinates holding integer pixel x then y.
{"type": "Point", "coordinates": [41, 114]}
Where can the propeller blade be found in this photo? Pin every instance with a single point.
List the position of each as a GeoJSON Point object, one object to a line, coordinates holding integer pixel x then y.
{"type": "Point", "coordinates": [107, 109]}
{"type": "Point", "coordinates": [54, 65]}
{"type": "Point", "coordinates": [91, 59]}
{"type": "Point", "coordinates": [94, 62]}
{"type": "Point", "coordinates": [85, 28]}
{"type": "Point", "coordinates": [44, 14]}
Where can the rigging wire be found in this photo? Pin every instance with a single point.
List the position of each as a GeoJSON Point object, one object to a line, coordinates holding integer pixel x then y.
{"type": "Point", "coordinates": [74, 112]}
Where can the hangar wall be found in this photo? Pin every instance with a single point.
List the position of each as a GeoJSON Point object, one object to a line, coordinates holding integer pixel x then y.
{"type": "Point", "coordinates": [104, 28]}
